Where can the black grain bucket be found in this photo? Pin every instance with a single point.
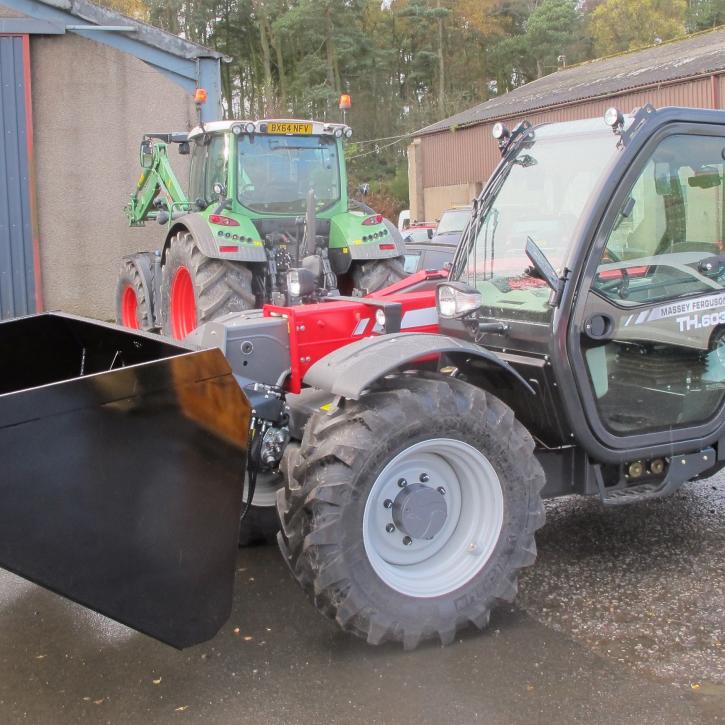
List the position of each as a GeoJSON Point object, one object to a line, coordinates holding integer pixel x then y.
{"type": "Point", "coordinates": [121, 472]}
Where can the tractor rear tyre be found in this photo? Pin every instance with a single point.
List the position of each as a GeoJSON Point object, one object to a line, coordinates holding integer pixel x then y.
{"type": "Point", "coordinates": [376, 274]}
{"type": "Point", "coordinates": [196, 288]}
{"type": "Point", "coordinates": [133, 308]}
{"type": "Point", "coordinates": [407, 515]}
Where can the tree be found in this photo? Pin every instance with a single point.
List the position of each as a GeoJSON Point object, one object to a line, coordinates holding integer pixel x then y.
{"type": "Point", "coordinates": [550, 30]}
{"type": "Point", "coordinates": [704, 14]}
{"type": "Point", "coordinates": [619, 25]}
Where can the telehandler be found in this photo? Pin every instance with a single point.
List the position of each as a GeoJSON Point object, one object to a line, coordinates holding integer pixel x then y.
{"type": "Point", "coordinates": [264, 197]}
{"type": "Point", "coordinates": [575, 347]}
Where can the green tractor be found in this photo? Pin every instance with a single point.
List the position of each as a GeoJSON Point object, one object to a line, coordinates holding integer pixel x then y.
{"type": "Point", "coordinates": [267, 219]}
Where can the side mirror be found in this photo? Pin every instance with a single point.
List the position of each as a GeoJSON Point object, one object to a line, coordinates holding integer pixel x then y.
{"type": "Point", "coordinates": [430, 234]}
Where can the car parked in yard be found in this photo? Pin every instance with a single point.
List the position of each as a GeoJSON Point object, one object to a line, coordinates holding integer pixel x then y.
{"type": "Point", "coordinates": [452, 223]}
{"type": "Point", "coordinates": [427, 254]}
{"type": "Point", "coordinates": [419, 232]}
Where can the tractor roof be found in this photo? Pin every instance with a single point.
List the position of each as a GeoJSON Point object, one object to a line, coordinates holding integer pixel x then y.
{"type": "Point", "coordinates": [276, 126]}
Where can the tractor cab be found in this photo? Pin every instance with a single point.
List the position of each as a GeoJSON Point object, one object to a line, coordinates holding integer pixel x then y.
{"type": "Point", "coordinates": [594, 264]}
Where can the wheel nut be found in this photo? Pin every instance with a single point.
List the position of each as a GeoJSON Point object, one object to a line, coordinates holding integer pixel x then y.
{"type": "Point", "coordinates": [387, 503]}
{"type": "Point", "coordinates": [407, 540]}
{"type": "Point", "coordinates": [402, 483]}
{"type": "Point", "coordinates": [441, 490]}
{"type": "Point", "coordinates": [390, 528]}
{"type": "Point", "coordinates": [424, 478]}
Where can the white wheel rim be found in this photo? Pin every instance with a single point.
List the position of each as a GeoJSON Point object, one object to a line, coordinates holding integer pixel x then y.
{"type": "Point", "coordinates": [465, 541]}
{"type": "Point", "coordinates": [265, 489]}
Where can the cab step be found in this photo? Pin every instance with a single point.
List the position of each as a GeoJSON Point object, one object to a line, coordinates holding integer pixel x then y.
{"type": "Point", "coordinates": [680, 470]}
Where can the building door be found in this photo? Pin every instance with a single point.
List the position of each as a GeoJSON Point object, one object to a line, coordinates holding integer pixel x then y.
{"type": "Point", "coordinates": [18, 260]}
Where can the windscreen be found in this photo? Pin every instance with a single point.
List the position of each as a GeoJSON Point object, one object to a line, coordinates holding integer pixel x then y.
{"type": "Point", "coordinates": [541, 193]}
{"type": "Point", "coordinates": [276, 173]}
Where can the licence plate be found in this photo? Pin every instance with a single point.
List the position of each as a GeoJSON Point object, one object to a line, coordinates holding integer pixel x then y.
{"type": "Point", "coordinates": [295, 129]}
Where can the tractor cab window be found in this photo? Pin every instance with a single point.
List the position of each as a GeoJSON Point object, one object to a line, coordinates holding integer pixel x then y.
{"type": "Point", "coordinates": [541, 193]}
{"type": "Point", "coordinates": [657, 303]}
{"type": "Point", "coordinates": [276, 173]}
{"type": "Point", "coordinates": [208, 166]}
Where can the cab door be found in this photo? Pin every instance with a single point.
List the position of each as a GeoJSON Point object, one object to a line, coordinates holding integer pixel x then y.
{"type": "Point", "coordinates": [647, 339]}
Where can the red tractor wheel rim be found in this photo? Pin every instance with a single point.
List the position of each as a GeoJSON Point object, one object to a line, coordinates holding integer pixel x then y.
{"type": "Point", "coordinates": [129, 308]}
{"type": "Point", "coordinates": [183, 304]}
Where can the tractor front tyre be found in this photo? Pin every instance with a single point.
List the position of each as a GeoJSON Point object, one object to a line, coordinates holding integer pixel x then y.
{"type": "Point", "coordinates": [376, 274]}
{"type": "Point", "coordinates": [133, 306]}
{"type": "Point", "coordinates": [196, 289]}
{"type": "Point", "coordinates": [407, 515]}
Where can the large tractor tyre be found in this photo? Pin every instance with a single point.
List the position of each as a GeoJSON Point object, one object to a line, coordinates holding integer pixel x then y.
{"type": "Point", "coordinates": [261, 523]}
{"type": "Point", "coordinates": [376, 274]}
{"type": "Point", "coordinates": [407, 515]}
{"type": "Point", "coordinates": [196, 288]}
{"type": "Point", "coordinates": [133, 307]}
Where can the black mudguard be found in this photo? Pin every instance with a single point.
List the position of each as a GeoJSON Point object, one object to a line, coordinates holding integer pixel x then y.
{"type": "Point", "coordinates": [349, 370]}
{"type": "Point", "coordinates": [122, 460]}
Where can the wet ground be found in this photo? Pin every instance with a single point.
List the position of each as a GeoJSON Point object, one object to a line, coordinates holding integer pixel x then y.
{"type": "Point", "coordinates": [621, 620]}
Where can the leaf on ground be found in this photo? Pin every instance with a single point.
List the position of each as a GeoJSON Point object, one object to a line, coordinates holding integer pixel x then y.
{"type": "Point", "coordinates": [182, 708]}
{"type": "Point", "coordinates": [157, 682]}
{"type": "Point", "coordinates": [247, 638]}
{"type": "Point", "coordinates": [99, 702]}
{"type": "Point", "coordinates": [236, 630]}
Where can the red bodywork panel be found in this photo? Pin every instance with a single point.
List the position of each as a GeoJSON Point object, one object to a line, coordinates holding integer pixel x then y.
{"type": "Point", "coordinates": [315, 330]}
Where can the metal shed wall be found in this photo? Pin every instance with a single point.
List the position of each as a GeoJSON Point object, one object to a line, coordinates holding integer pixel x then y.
{"type": "Point", "coordinates": [469, 155]}
{"type": "Point", "coordinates": [17, 258]}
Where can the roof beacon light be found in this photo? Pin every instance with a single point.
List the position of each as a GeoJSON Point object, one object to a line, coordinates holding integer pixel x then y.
{"type": "Point", "coordinates": [199, 96]}
{"type": "Point", "coordinates": [345, 102]}
{"type": "Point", "coordinates": [249, 128]}
{"type": "Point", "coordinates": [613, 117]}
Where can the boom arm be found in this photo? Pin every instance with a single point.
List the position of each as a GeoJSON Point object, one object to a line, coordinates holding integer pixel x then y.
{"type": "Point", "coordinates": [157, 178]}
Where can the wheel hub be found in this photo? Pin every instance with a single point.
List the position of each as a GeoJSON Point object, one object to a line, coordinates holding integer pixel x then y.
{"type": "Point", "coordinates": [419, 511]}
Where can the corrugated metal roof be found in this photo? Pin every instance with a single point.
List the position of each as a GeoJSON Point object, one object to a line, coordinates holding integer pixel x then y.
{"type": "Point", "coordinates": [144, 32]}
{"type": "Point", "coordinates": [693, 56]}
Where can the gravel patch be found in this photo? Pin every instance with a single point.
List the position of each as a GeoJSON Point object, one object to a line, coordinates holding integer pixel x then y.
{"type": "Point", "coordinates": [642, 584]}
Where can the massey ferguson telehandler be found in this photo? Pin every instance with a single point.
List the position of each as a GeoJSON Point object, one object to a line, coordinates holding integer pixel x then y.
{"type": "Point", "coordinates": [264, 197]}
{"type": "Point", "coordinates": [415, 431]}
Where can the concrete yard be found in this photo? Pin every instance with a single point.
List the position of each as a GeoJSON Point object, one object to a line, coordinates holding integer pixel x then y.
{"type": "Point", "coordinates": [621, 620]}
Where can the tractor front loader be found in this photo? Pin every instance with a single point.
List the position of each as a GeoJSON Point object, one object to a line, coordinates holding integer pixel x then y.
{"type": "Point", "coordinates": [409, 436]}
{"type": "Point", "coordinates": [267, 219]}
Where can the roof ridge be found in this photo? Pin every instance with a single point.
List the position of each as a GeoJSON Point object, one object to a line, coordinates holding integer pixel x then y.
{"type": "Point", "coordinates": [572, 84]}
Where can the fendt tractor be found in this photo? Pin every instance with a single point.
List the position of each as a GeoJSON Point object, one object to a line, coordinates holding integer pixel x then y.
{"type": "Point", "coordinates": [264, 197]}
{"type": "Point", "coordinates": [574, 347]}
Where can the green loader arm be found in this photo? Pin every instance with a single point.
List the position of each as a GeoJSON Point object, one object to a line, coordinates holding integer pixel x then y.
{"type": "Point", "coordinates": [157, 178]}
